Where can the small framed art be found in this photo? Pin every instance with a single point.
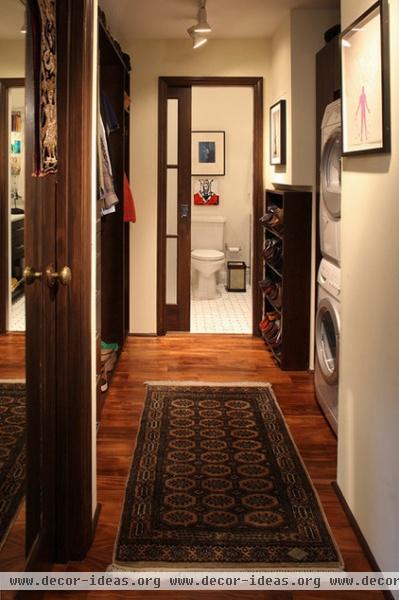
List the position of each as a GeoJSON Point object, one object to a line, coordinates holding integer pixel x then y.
{"type": "Point", "coordinates": [207, 152]}
{"type": "Point", "coordinates": [365, 83]}
{"type": "Point", "coordinates": [205, 192]}
{"type": "Point", "coordinates": [278, 133]}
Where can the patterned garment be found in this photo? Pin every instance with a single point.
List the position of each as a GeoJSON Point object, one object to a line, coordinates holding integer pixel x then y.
{"type": "Point", "coordinates": [12, 452]}
{"type": "Point", "coordinates": [217, 480]}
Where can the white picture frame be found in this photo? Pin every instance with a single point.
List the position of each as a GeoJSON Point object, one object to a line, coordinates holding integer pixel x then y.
{"type": "Point", "coordinates": [365, 83]}
{"type": "Point", "coordinates": [208, 153]}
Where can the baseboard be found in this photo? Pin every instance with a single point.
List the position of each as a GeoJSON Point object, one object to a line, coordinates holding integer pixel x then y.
{"type": "Point", "coordinates": [151, 335]}
{"type": "Point", "coordinates": [360, 537]}
{"type": "Point", "coordinates": [94, 522]}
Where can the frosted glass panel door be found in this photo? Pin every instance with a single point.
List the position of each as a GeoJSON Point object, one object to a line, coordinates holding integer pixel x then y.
{"type": "Point", "coordinates": [172, 134]}
{"type": "Point", "coordinates": [176, 199]}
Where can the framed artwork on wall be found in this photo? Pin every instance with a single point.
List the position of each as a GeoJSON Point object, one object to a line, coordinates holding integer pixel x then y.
{"type": "Point", "coordinates": [278, 133]}
{"type": "Point", "coordinates": [365, 83]}
{"type": "Point", "coordinates": [205, 192]}
{"type": "Point", "coordinates": [207, 153]}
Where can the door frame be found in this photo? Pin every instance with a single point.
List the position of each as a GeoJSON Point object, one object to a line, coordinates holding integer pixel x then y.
{"type": "Point", "coordinates": [256, 83]}
{"type": "Point", "coordinates": [5, 85]}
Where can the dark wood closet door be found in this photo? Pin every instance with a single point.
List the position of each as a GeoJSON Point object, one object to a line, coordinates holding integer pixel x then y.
{"type": "Point", "coordinates": [176, 206]}
{"type": "Point", "coordinates": [58, 326]}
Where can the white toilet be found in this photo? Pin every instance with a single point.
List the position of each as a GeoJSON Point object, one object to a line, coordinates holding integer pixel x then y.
{"type": "Point", "coordinates": [207, 256]}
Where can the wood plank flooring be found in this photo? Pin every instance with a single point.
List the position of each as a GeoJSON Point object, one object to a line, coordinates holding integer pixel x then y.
{"type": "Point", "coordinates": [221, 358]}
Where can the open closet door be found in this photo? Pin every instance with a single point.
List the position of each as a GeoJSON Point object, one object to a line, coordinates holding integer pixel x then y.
{"type": "Point", "coordinates": [58, 280]}
{"type": "Point", "coordinates": [175, 204]}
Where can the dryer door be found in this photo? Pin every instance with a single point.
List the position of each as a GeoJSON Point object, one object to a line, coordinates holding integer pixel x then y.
{"type": "Point", "coordinates": [331, 173]}
{"type": "Point", "coordinates": [327, 340]}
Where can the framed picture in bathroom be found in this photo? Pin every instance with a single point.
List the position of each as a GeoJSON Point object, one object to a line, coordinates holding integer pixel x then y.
{"type": "Point", "coordinates": [205, 192]}
{"type": "Point", "coordinates": [277, 133]}
{"type": "Point", "coordinates": [207, 153]}
{"type": "Point", "coordinates": [365, 83]}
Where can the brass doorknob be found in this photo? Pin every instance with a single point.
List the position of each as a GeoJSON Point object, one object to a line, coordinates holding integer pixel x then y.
{"type": "Point", "coordinates": [64, 276]}
{"type": "Point", "coordinates": [30, 275]}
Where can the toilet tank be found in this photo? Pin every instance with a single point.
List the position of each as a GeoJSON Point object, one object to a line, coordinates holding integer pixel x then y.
{"type": "Point", "coordinates": [207, 233]}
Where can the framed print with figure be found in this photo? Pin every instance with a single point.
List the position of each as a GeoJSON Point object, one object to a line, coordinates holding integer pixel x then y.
{"type": "Point", "coordinates": [207, 152]}
{"type": "Point", "coordinates": [278, 133]}
{"type": "Point", "coordinates": [365, 83]}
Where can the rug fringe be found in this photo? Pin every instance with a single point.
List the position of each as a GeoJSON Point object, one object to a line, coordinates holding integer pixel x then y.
{"type": "Point", "coordinates": [256, 567]}
{"type": "Point", "coordinates": [212, 383]}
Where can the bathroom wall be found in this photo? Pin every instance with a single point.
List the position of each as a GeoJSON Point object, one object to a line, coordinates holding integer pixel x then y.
{"type": "Point", "coordinates": [229, 110]}
{"type": "Point", "coordinates": [368, 442]}
{"type": "Point", "coordinates": [12, 58]}
{"type": "Point", "coordinates": [151, 59]}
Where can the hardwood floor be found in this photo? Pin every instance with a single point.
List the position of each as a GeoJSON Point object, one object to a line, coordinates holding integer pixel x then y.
{"type": "Point", "coordinates": [206, 358]}
{"type": "Point", "coordinates": [210, 358]}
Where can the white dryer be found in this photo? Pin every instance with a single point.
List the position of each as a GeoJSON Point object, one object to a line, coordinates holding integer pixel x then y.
{"type": "Point", "coordinates": [327, 340]}
{"type": "Point", "coordinates": [330, 183]}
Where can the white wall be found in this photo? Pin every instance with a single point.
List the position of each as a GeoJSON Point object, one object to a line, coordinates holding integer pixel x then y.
{"type": "Point", "coordinates": [229, 110]}
{"type": "Point", "coordinates": [12, 58]}
{"type": "Point", "coordinates": [293, 79]}
{"type": "Point", "coordinates": [368, 443]}
{"type": "Point", "coordinates": [281, 90]}
{"type": "Point", "coordinates": [151, 59]}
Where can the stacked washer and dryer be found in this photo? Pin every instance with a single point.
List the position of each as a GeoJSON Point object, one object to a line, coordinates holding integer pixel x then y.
{"type": "Point", "coordinates": [329, 276]}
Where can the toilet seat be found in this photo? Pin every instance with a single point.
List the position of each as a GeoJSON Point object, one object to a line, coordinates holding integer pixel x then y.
{"type": "Point", "coordinates": [209, 255]}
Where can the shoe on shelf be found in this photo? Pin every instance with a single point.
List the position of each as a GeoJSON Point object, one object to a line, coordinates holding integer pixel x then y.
{"type": "Point", "coordinates": [111, 346]}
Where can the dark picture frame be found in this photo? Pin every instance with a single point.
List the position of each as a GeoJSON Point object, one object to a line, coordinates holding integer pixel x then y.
{"type": "Point", "coordinates": [277, 133]}
{"type": "Point", "coordinates": [365, 103]}
{"type": "Point", "coordinates": [208, 152]}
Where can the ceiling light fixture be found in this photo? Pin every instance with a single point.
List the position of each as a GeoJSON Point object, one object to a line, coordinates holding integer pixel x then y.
{"type": "Point", "coordinates": [202, 25]}
{"type": "Point", "coordinates": [198, 40]}
{"type": "Point", "coordinates": [23, 26]}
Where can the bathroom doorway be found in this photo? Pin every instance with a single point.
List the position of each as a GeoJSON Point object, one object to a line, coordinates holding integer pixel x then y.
{"type": "Point", "coordinates": [231, 309]}
{"type": "Point", "coordinates": [222, 209]}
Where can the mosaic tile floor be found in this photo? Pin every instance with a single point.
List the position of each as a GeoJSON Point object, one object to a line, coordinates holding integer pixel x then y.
{"type": "Point", "coordinates": [229, 313]}
{"type": "Point", "coordinates": [17, 316]}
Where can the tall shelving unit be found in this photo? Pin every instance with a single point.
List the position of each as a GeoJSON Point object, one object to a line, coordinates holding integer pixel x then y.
{"type": "Point", "coordinates": [112, 232]}
{"type": "Point", "coordinates": [291, 272]}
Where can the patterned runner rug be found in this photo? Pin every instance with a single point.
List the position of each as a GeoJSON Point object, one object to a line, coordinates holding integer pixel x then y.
{"type": "Point", "coordinates": [217, 482]}
{"type": "Point", "coordinates": [12, 453]}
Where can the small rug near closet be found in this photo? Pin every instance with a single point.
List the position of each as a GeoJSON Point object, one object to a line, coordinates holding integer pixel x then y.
{"type": "Point", "coordinates": [217, 482]}
{"type": "Point", "coordinates": [12, 453]}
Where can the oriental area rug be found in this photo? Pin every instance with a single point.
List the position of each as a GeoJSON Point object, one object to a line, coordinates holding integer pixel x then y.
{"type": "Point", "coordinates": [216, 482]}
{"type": "Point", "coordinates": [12, 453]}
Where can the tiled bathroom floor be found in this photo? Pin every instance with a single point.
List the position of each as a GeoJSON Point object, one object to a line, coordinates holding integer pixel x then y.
{"type": "Point", "coordinates": [229, 313]}
{"type": "Point", "coordinates": [17, 316]}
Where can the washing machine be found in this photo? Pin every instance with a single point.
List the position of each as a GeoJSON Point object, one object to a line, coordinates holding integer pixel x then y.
{"type": "Point", "coordinates": [330, 183]}
{"type": "Point", "coordinates": [327, 340]}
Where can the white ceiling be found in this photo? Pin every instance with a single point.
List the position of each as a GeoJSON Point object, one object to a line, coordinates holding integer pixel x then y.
{"type": "Point", "coordinates": [11, 20]}
{"type": "Point", "coordinates": [169, 19]}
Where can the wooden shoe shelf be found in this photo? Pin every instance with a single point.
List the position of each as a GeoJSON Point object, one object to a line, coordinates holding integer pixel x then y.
{"type": "Point", "coordinates": [293, 273]}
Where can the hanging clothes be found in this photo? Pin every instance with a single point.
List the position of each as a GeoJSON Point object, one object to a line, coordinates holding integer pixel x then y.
{"type": "Point", "coordinates": [106, 181]}
{"type": "Point", "coordinates": [129, 209]}
{"type": "Point", "coordinates": [108, 115]}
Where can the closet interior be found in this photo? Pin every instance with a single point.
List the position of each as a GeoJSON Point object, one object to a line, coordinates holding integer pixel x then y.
{"type": "Point", "coordinates": [112, 227]}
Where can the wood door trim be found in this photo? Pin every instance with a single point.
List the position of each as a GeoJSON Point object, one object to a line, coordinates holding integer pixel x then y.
{"type": "Point", "coordinates": [74, 516]}
{"type": "Point", "coordinates": [257, 269]}
{"type": "Point", "coordinates": [5, 85]}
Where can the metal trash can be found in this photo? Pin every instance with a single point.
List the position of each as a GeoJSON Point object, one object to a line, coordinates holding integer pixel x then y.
{"type": "Point", "coordinates": [236, 276]}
